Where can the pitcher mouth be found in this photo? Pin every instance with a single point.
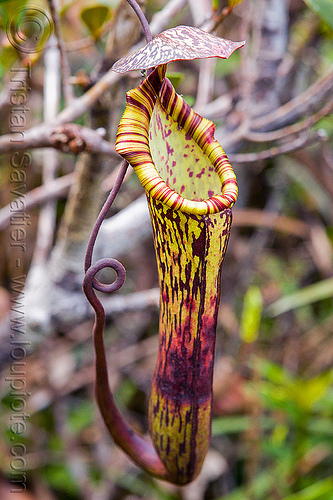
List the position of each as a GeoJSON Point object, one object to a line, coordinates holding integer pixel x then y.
{"type": "Point", "coordinates": [134, 145]}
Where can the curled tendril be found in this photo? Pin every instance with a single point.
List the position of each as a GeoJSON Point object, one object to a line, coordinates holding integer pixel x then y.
{"type": "Point", "coordinates": [90, 281]}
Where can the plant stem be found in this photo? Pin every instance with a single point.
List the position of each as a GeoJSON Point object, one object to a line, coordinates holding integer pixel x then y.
{"type": "Point", "coordinates": [143, 20]}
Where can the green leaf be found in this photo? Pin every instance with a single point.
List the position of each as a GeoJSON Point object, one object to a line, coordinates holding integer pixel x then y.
{"type": "Point", "coordinates": [232, 3]}
{"type": "Point", "coordinates": [321, 426]}
{"type": "Point", "coordinates": [7, 58]}
{"type": "Point", "coordinates": [95, 17]}
{"type": "Point", "coordinates": [126, 391]}
{"type": "Point", "coordinates": [308, 295]}
{"type": "Point", "coordinates": [306, 186]}
{"type": "Point", "coordinates": [175, 77]}
{"type": "Point", "coordinates": [238, 494]}
{"type": "Point", "coordinates": [321, 490]}
{"type": "Point", "coordinates": [279, 434]}
{"type": "Point", "coordinates": [12, 10]}
{"type": "Point", "coordinates": [143, 489]}
{"type": "Point", "coordinates": [60, 478]}
{"type": "Point", "coordinates": [260, 488]}
{"type": "Point", "coordinates": [82, 416]}
{"type": "Point", "coordinates": [307, 392]}
{"type": "Point", "coordinates": [237, 424]}
{"type": "Point", "coordinates": [323, 8]}
{"type": "Point", "coordinates": [225, 67]}
{"type": "Point", "coordinates": [273, 372]}
{"type": "Point", "coordinates": [230, 425]}
{"type": "Point", "coordinates": [251, 315]}
{"type": "Point", "coordinates": [27, 27]}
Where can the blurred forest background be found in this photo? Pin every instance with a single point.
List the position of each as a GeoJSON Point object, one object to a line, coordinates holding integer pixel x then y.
{"type": "Point", "coordinates": [60, 106]}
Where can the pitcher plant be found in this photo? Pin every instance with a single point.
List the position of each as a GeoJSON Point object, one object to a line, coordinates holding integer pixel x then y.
{"type": "Point", "coordinates": [190, 188]}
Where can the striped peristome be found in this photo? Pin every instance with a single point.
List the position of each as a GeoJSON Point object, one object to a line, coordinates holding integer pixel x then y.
{"type": "Point", "coordinates": [190, 189]}
{"type": "Point", "coordinates": [134, 144]}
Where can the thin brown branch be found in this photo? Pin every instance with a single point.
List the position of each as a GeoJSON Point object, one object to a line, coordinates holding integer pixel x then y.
{"type": "Point", "coordinates": [200, 11]}
{"type": "Point", "coordinates": [50, 191]}
{"type": "Point", "coordinates": [88, 41]}
{"type": "Point", "coordinates": [54, 189]}
{"type": "Point", "coordinates": [65, 68]}
{"type": "Point", "coordinates": [69, 138]}
{"type": "Point", "coordinates": [295, 144]}
{"type": "Point", "coordinates": [297, 108]}
{"type": "Point", "coordinates": [253, 217]}
{"type": "Point", "coordinates": [289, 130]}
{"type": "Point", "coordinates": [205, 84]}
{"type": "Point", "coordinates": [221, 17]}
{"type": "Point", "coordinates": [302, 33]}
{"type": "Point", "coordinates": [162, 18]}
{"type": "Point", "coordinates": [47, 216]}
{"type": "Point", "coordinates": [283, 121]}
